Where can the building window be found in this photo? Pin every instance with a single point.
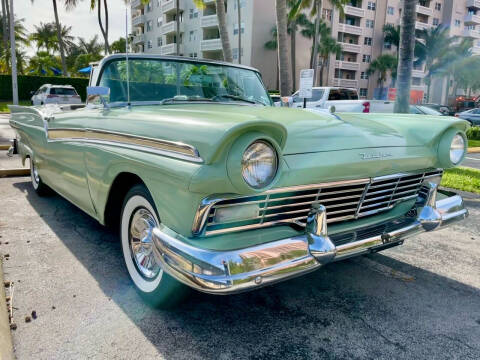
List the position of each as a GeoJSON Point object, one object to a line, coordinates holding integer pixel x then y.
{"type": "Point", "coordinates": [368, 41]}
{"type": "Point", "coordinates": [159, 41]}
{"type": "Point", "coordinates": [387, 45]}
{"type": "Point", "coordinates": [363, 92]}
{"type": "Point", "coordinates": [242, 4]}
{"type": "Point", "coordinates": [159, 22]}
{"type": "Point", "coordinates": [149, 44]}
{"type": "Point", "coordinates": [193, 13]}
{"type": "Point", "coordinates": [149, 25]}
{"type": "Point", "coordinates": [370, 24]}
{"type": "Point", "coordinates": [235, 29]}
{"type": "Point", "coordinates": [458, 23]}
{"type": "Point", "coordinates": [438, 6]}
{"type": "Point", "coordinates": [235, 53]}
{"type": "Point", "coordinates": [149, 7]}
{"type": "Point", "coordinates": [416, 81]}
{"type": "Point", "coordinates": [159, 3]}
{"type": "Point", "coordinates": [436, 21]}
{"type": "Point", "coordinates": [391, 10]}
{"type": "Point", "coordinates": [372, 5]}
{"type": "Point", "coordinates": [366, 58]}
{"type": "Point", "coordinates": [363, 75]}
{"type": "Point", "coordinates": [327, 14]}
{"type": "Point", "coordinates": [192, 35]}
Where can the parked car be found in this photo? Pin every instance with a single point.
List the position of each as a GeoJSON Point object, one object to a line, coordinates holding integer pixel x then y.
{"type": "Point", "coordinates": [277, 99]}
{"type": "Point", "coordinates": [56, 94]}
{"type": "Point", "coordinates": [444, 109]}
{"type": "Point", "coordinates": [376, 107]}
{"type": "Point", "coordinates": [344, 99]}
{"type": "Point", "coordinates": [472, 116]}
{"type": "Point", "coordinates": [213, 187]}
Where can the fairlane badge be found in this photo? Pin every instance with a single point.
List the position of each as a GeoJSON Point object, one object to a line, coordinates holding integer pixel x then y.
{"type": "Point", "coordinates": [378, 155]}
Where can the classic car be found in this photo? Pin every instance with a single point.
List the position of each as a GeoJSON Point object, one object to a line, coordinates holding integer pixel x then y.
{"type": "Point", "coordinates": [212, 187]}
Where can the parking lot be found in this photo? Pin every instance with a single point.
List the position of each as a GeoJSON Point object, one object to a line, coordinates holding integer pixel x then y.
{"type": "Point", "coordinates": [421, 300]}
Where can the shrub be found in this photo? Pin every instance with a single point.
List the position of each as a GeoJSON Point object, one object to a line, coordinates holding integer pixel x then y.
{"type": "Point", "coordinates": [473, 133]}
{"type": "Point", "coordinates": [27, 84]}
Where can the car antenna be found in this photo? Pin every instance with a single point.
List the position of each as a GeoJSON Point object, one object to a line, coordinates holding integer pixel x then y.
{"type": "Point", "coordinates": [126, 55]}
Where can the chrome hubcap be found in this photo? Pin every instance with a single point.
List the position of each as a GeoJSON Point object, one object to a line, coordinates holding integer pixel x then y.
{"type": "Point", "coordinates": [141, 245]}
{"type": "Point", "coordinates": [35, 176]}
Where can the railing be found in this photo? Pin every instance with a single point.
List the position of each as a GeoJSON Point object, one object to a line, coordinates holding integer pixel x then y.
{"type": "Point", "coordinates": [170, 49]}
{"type": "Point", "coordinates": [473, 4]}
{"type": "Point", "coordinates": [136, 4]}
{"type": "Point", "coordinates": [354, 11]}
{"type": "Point", "coordinates": [350, 29]}
{"type": "Point", "coordinates": [347, 65]}
{"type": "Point", "coordinates": [209, 21]}
{"type": "Point", "coordinates": [211, 44]}
{"type": "Point", "coordinates": [471, 33]}
{"type": "Point", "coordinates": [354, 48]}
{"type": "Point", "coordinates": [422, 26]}
{"type": "Point", "coordinates": [169, 27]}
{"type": "Point", "coordinates": [137, 20]}
{"type": "Point", "coordinates": [418, 73]}
{"type": "Point", "coordinates": [139, 38]}
{"type": "Point", "coordinates": [472, 19]}
{"type": "Point", "coordinates": [424, 10]}
{"type": "Point", "coordinates": [345, 83]}
{"type": "Point", "coordinates": [169, 6]}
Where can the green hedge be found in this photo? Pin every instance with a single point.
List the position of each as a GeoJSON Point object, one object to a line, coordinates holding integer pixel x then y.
{"type": "Point", "coordinates": [473, 133]}
{"type": "Point", "coordinates": [27, 84]}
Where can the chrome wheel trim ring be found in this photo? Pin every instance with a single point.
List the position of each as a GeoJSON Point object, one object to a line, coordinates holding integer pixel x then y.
{"type": "Point", "coordinates": [34, 174]}
{"type": "Point", "coordinates": [141, 246]}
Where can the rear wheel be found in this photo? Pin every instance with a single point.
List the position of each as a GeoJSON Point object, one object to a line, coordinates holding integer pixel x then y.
{"type": "Point", "coordinates": [138, 218]}
{"type": "Point", "coordinates": [37, 183]}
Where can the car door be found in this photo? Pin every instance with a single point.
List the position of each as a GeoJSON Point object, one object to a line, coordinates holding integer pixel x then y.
{"type": "Point", "coordinates": [475, 117]}
{"type": "Point", "coordinates": [37, 96]}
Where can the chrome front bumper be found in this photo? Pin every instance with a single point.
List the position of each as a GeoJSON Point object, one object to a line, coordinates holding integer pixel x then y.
{"type": "Point", "coordinates": [227, 272]}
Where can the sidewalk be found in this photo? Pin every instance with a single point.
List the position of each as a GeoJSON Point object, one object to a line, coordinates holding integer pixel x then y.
{"type": "Point", "coordinates": [9, 166]}
{"type": "Point", "coordinates": [474, 150]}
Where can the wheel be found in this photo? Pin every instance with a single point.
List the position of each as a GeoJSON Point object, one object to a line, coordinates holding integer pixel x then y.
{"type": "Point", "coordinates": [138, 218]}
{"type": "Point", "coordinates": [37, 183]}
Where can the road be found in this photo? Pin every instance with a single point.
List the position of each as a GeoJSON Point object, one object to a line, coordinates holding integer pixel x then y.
{"type": "Point", "coordinates": [472, 160]}
{"type": "Point", "coordinates": [420, 300]}
{"type": "Point", "coordinates": [6, 132]}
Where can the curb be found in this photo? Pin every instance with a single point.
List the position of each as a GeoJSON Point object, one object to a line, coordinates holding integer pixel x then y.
{"type": "Point", "coordinates": [4, 147]}
{"type": "Point", "coordinates": [474, 150]}
{"type": "Point", "coordinates": [6, 344]}
{"type": "Point", "coordinates": [14, 172]}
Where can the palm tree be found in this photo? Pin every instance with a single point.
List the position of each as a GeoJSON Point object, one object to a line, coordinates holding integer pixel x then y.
{"type": "Point", "coordinates": [406, 56]}
{"type": "Point", "coordinates": [92, 46]}
{"type": "Point", "coordinates": [103, 27]}
{"type": "Point", "coordinates": [327, 46]}
{"type": "Point", "coordinates": [384, 64]}
{"type": "Point", "coordinates": [295, 20]}
{"type": "Point", "coordinates": [44, 36]}
{"type": "Point", "coordinates": [5, 18]}
{"type": "Point", "coordinates": [42, 63]}
{"type": "Point", "coordinates": [59, 39]}
{"type": "Point", "coordinates": [21, 38]}
{"type": "Point", "coordinates": [119, 45]}
{"type": "Point", "coordinates": [272, 44]}
{"type": "Point", "coordinates": [282, 36]}
{"type": "Point", "coordinates": [433, 50]}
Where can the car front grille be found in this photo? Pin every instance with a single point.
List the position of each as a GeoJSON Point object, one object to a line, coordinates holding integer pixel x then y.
{"type": "Point", "coordinates": [344, 200]}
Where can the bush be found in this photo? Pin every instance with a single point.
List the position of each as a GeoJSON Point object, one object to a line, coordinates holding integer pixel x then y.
{"type": "Point", "coordinates": [473, 133]}
{"type": "Point", "coordinates": [27, 84]}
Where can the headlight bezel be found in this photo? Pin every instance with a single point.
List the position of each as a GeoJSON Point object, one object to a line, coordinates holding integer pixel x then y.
{"type": "Point", "coordinates": [274, 168]}
{"type": "Point", "coordinates": [235, 157]}
{"type": "Point", "coordinates": [445, 148]}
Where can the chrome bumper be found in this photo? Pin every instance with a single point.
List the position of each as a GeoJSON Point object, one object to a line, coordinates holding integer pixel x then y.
{"type": "Point", "coordinates": [226, 272]}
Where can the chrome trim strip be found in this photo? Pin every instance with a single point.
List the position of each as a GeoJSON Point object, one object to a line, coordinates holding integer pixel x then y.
{"type": "Point", "coordinates": [96, 136]}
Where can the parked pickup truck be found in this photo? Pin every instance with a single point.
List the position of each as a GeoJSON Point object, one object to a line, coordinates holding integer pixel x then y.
{"type": "Point", "coordinates": [344, 100]}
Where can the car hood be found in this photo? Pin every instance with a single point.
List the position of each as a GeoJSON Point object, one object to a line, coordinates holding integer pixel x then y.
{"type": "Point", "coordinates": [209, 127]}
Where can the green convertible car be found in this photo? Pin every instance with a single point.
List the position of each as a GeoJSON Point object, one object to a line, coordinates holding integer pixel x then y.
{"type": "Point", "coordinates": [213, 187]}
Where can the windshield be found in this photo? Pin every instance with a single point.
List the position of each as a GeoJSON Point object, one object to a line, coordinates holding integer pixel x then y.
{"type": "Point", "coordinates": [429, 111]}
{"type": "Point", "coordinates": [169, 81]}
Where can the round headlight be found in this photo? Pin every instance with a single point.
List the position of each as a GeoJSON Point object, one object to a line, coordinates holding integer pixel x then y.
{"type": "Point", "coordinates": [259, 164]}
{"type": "Point", "coordinates": [457, 149]}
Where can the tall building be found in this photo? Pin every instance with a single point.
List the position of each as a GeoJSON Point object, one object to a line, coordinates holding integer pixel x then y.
{"type": "Point", "coordinates": [359, 31]}
{"type": "Point", "coordinates": [154, 26]}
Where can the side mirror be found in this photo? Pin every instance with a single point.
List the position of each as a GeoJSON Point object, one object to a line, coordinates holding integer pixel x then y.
{"type": "Point", "coordinates": [332, 109]}
{"type": "Point", "coordinates": [98, 94]}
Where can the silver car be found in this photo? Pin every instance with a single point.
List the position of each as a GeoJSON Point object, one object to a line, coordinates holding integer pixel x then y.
{"type": "Point", "coordinates": [56, 94]}
{"type": "Point", "coordinates": [472, 116]}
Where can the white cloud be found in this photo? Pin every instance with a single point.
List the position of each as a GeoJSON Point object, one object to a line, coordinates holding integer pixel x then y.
{"type": "Point", "coordinates": [83, 21]}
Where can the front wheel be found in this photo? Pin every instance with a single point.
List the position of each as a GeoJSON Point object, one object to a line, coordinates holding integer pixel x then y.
{"type": "Point", "coordinates": [138, 219]}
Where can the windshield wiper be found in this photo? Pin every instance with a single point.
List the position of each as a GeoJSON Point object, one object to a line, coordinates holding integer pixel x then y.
{"type": "Point", "coordinates": [236, 97]}
{"type": "Point", "coordinates": [184, 98]}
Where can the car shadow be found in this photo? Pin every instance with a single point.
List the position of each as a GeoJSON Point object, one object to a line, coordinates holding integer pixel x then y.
{"type": "Point", "coordinates": [345, 310]}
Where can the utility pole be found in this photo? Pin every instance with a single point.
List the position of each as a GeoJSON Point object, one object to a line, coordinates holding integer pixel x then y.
{"type": "Point", "coordinates": [13, 55]}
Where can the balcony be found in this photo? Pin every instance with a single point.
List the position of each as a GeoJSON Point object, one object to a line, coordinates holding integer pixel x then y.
{"type": "Point", "coordinates": [354, 11]}
{"type": "Point", "coordinates": [473, 4]}
{"type": "Point", "coordinates": [347, 65]}
{"type": "Point", "coordinates": [170, 6]}
{"type": "Point", "coordinates": [353, 48]}
{"type": "Point", "coordinates": [140, 38]}
{"type": "Point", "coordinates": [136, 4]}
{"type": "Point", "coordinates": [211, 45]}
{"type": "Point", "coordinates": [350, 29]}
{"type": "Point", "coordinates": [422, 26]}
{"type": "Point", "coordinates": [424, 10]}
{"type": "Point", "coordinates": [345, 83]}
{"type": "Point", "coordinates": [171, 27]}
{"type": "Point", "coordinates": [170, 49]}
{"type": "Point", "coordinates": [209, 21]}
{"type": "Point", "coordinates": [471, 19]}
{"type": "Point", "coordinates": [138, 20]}
{"type": "Point", "coordinates": [418, 73]}
{"type": "Point", "coordinates": [471, 33]}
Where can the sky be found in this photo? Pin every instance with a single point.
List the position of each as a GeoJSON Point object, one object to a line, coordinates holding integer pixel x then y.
{"type": "Point", "coordinates": [84, 22]}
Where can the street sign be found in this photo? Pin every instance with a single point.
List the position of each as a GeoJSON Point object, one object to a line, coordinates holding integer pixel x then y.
{"type": "Point", "coordinates": [306, 83]}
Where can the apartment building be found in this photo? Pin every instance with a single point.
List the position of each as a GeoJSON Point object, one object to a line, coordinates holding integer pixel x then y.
{"type": "Point", "coordinates": [154, 28]}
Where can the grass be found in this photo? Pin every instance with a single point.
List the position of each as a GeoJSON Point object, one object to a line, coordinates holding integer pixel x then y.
{"type": "Point", "coordinates": [465, 179]}
{"type": "Point", "coordinates": [4, 107]}
{"type": "Point", "coordinates": [473, 143]}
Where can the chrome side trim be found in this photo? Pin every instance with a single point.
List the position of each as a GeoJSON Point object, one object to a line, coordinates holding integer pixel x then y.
{"type": "Point", "coordinates": [95, 136]}
{"type": "Point", "coordinates": [233, 271]}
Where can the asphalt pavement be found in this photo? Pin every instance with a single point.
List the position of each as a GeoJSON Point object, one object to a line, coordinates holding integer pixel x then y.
{"type": "Point", "coordinates": [472, 160]}
{"type": "Point", "coordinates": [417, 301]}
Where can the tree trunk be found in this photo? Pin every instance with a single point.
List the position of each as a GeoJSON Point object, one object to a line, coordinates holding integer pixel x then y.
{"type": "Point", "coordinates": [177, 21]}
{"type": "Point", "coordinates": [406, 56]}
{"type": "Point", "coordinates": [4, 25]}
{"type": "Point", "coordinates": [318, 4]}
{"type": "Point", "coordinates": [13, 54]}
{"type": "Point", "coordinates": [107, 44]}
{"type": "Point", "coordinates": [429, 84]}
{"type": "Point", "coordinates": [321, 74]}
{"type": "Point", "coordinates": [104, 34]}
{"type": "Point", "coordinates": [239, 32]}
{"type": "Point", "coordinates": [60, 40]}
{"type": "Point", "coordinates": [282, 40]}
{"type": "Point", "coordinates": [293, 54]}
{"type": "Point", "coordinates": [222, 26]}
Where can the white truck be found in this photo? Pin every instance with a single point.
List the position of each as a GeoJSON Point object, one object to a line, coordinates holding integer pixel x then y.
{"type": "Point", "coordinates": [343, 99]}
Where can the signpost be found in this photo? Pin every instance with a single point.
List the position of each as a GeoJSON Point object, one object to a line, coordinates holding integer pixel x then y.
{"type": "Point", "coordinates": [306, 85]}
